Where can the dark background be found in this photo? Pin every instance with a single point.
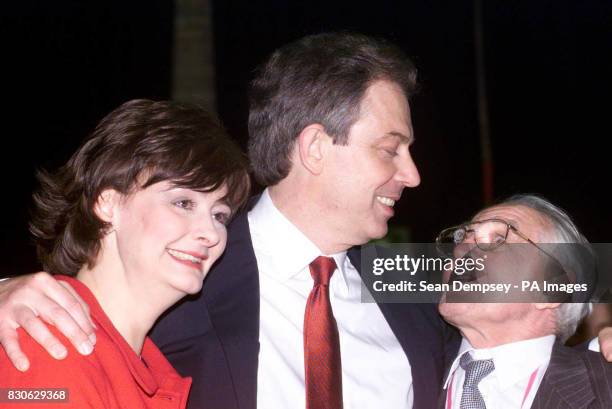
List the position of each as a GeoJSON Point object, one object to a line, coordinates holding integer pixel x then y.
{"type": "Point", "coordinates": [67, 64]}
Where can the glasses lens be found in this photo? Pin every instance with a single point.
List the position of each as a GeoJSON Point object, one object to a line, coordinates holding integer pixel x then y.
{"type": "Point", "coordinates": [487, 235]}
{"type": "Point", "coordinates": [449, 239]}
{"type": "Point", "coordinates": [459, 235]}
{"type": "Point", "coordinates": [454, 235]}
{"type": "Point", "coordinates": [490, 234]}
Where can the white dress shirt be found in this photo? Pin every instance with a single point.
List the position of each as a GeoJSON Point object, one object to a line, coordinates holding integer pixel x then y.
{"type": "Point", "coordinates": [515, 363]}
{"type": "Point", "coordinates": [375, 370]}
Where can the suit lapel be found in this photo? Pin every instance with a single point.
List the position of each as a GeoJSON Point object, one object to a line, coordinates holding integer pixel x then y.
{"type": "Point", "coordinates": [414, 328]}
{"type": "Point", "coordinates": [566, 382]}
{"type": "Point", "coordinates": [232, 298]}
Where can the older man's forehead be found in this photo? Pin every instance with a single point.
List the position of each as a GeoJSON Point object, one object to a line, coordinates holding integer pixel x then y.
{"type": "Point", "coordinates": [524, 218]}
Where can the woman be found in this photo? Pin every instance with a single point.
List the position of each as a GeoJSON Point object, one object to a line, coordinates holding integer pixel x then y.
{"type": "Point", "coordinates": [133, 222]}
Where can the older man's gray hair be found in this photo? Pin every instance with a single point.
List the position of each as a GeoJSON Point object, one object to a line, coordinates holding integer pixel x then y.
{"type": "Point", "coordinates": [569, 315]}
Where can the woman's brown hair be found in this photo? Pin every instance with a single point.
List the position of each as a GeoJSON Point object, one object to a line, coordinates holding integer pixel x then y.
{"type": "Point", "coordinates": [162, 141]}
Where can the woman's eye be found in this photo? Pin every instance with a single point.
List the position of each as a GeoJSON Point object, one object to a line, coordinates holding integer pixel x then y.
{"type": "Point", "coordinates": [184, 204]}
{"type": "Point", "coordinates": [222, 217]}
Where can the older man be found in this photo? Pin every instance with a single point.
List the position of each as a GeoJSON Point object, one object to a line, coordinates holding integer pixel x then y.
{"type": "Point", "coordinates": [512, 354]}
{"type": "Point", "coordinates": [280, 323]}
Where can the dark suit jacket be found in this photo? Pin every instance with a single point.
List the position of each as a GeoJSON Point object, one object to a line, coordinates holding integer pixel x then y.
{"type": "Point", "coordinates": [574, 379]}
{"type": "Point", "coordinates": [214, 336]}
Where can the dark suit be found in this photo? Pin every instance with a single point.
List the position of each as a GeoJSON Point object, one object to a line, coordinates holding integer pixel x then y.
{"type": "Point", "coordinates": [214, 337]}
{"type": "Point", "coordinates": [574, 379]}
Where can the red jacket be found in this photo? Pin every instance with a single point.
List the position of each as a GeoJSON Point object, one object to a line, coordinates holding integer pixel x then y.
{"type": "Point", "coordinates": [113, 376]}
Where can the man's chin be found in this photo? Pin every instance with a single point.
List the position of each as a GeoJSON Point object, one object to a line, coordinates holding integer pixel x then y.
{"type": "Point", "coordinates": [378, 232]}
{"type": "Point", "coordinates": [451, 311]}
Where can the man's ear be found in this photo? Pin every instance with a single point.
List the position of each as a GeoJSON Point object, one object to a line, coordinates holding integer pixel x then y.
{"type": "Point", "coordinates": [106, 206]}
{"type": "Point", "coordinates": [311, 144]}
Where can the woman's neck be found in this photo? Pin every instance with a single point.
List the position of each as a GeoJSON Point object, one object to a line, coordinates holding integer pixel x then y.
{"type": "Point", "coordinates": [132, 307]}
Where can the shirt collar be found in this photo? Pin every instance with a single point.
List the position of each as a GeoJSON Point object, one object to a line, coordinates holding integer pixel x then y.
{"type": "Point", "coordinates": [285, 250]}
{"type": "Point", "coordinates": [513, 361]}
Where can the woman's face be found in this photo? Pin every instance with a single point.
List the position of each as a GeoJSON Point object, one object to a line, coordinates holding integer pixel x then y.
{"type": "Point", "coordinates": [170, 236]}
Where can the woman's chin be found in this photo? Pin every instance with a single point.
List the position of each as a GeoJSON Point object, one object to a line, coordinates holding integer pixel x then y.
{"type": "Point", "coordinates": [188, 285]}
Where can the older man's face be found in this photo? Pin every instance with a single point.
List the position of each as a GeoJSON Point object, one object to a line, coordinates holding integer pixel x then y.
{"type": "Point", "coordinates": [533, 225]}
{"type": "Point", "coordinates": [364, 179]}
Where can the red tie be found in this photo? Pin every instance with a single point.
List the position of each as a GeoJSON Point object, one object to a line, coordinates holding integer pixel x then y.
{"type": "Point", "coordinates": [321, 342]}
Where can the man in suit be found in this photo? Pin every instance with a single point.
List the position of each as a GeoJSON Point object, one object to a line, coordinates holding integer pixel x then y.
{"type": "Point", "coordinates": [330, 134]}
{"type": "Point", "coordinates": [512, 354]}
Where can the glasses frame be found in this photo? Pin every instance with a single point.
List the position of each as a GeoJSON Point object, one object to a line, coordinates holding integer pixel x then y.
{"type": "Point", "coordinates": [493, 246]}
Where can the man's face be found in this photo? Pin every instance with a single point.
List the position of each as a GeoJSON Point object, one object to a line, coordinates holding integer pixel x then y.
{"type": "Point", "coordinates": [534, 226]}
{"type": "Point", "coordinates": [364, 179]}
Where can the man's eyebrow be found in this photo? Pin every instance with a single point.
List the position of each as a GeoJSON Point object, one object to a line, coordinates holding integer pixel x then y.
{"type": "Point", "coordinates": [403, 138]}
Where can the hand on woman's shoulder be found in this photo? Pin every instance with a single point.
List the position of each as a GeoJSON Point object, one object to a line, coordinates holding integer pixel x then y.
{"type": "Point", "coordinates": [81, 377]}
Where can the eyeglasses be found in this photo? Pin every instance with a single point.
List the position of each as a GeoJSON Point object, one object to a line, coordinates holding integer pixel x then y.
{"type": "Point", "coordinates": [488, 235]}
{"type": "Point", "coordinates": [491, 234]}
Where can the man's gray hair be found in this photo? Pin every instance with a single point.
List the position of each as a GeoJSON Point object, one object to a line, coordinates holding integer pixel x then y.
{"type": "Point", "coordinates": [569, 315]}
{"type": "Point", "coordinates": [565, 230]}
